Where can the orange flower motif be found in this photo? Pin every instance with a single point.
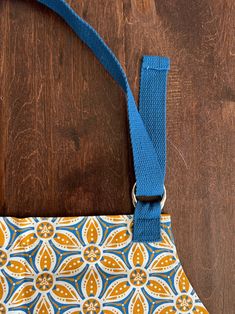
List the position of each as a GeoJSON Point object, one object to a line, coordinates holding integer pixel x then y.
{"type": "Point", "coordinates": [97, 252]}
{"type": "Point", "coordinates": [45, 236]}
{"type": "Point", "coordinates": [16, 267]}
{"type": "Point", "coordinates": [185, 299]}
{"type": "Point", "coordinates": [139, 282]}
{"type": "Point", "coordinates": [32, 232]}
{"type": "Point", "coordinates": [89, 265]}
{"type": "Point", "coordinates": [46, 282]}
{"type": "Point", "coordinates": [93, 302]}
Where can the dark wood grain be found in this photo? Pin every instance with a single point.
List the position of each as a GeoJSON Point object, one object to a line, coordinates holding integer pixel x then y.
{"type": "Point", "coordinates": [64, 148]}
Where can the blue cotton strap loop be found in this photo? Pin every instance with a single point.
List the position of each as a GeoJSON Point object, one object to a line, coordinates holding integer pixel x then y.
{"type": "Point", "coordinates": [152, 107]}
{"type": "Point", "coordinates": [152, 103]}
{"type": "Point", "coordinates": [147, 163]}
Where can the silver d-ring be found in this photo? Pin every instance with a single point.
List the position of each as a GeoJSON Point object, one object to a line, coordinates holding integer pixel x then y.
{"type": "Point", "coordinates": [134, 199]}
{"type": "Point", "coordinates": [133, 195]}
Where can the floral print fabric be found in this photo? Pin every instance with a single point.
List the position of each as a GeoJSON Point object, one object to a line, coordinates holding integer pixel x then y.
{"type": "Point", "coordinates": [89, 265]}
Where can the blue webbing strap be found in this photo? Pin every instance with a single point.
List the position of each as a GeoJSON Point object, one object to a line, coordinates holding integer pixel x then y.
{"type": "Point", "coordinates": [148, 170]}
{"type": "Point", "coordinates": [152, 107]}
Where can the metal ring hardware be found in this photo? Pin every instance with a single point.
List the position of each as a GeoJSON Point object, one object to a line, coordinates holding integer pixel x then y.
{"type": "Point", "coordinates": [134, 198]}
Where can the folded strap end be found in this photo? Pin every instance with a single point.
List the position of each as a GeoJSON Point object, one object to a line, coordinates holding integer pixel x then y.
{"type": "Point", "coordinates": [147, 230]}
{"type": "Point", "coordinates": [156, 63]}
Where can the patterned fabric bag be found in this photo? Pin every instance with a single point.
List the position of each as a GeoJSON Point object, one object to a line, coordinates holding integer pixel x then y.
{"type": "Point", "coordinates": [105, 264]}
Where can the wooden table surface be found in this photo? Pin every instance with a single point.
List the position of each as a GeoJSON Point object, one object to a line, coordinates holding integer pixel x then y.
{"type": "Point", "coordinates": [64, 146]}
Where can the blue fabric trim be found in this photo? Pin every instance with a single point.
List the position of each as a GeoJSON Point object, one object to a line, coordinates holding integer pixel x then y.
{"type": "Point", "coordinates": [147, 162]}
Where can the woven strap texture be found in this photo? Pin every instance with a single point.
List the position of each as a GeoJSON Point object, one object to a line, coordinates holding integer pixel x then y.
{"type": "Point", "coordinates": [152, 108]}
{"type": "Point", "coordinates": [148, 145]}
